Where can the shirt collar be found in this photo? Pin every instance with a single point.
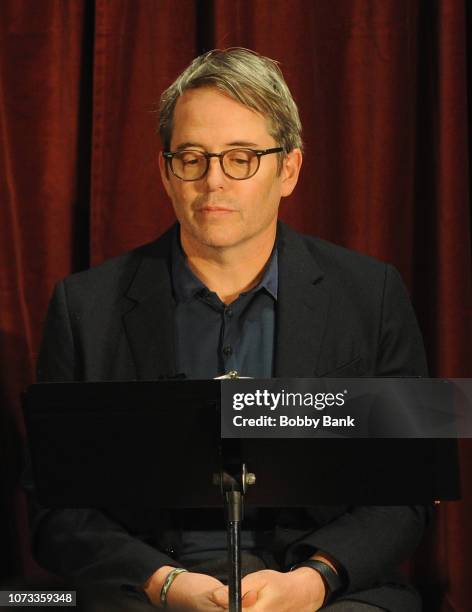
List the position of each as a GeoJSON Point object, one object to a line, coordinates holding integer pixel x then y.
{"type": "Point", "coordinates": [187, 285]}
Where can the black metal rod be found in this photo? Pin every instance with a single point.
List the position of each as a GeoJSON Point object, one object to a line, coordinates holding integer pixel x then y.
{"type": "Point", "coordinates": [234, 515]}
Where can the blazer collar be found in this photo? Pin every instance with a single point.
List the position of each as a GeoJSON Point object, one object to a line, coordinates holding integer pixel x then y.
{"type": "Point", "coordinates": [302, 308]}
{"type": "Point", "coordinates": [149, 323]}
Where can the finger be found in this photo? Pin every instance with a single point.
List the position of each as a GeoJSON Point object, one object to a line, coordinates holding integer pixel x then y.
{"type": "Point", "coordinates": [249, 599]}
{"type": "Point", "coordinates": [220, 597]}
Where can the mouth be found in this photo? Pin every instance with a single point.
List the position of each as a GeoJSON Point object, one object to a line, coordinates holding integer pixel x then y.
{"type": "Point", "coordinates": [214, 210]}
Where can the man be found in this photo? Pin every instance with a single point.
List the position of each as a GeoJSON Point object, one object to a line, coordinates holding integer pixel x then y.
{"type": "Point", "coordinates": [229, 288]}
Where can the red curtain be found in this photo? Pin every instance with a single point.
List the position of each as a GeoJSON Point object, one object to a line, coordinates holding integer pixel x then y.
{"type": "Point", "coordinates": [382, 91]}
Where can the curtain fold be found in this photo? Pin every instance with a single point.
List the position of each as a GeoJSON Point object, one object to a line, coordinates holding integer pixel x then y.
{"type": "Point", "coordinates": [41, 57]}
{"type": "Point", "coordinates": [139, 49]}
{"type": "Point", "coordinates": [382, 87]}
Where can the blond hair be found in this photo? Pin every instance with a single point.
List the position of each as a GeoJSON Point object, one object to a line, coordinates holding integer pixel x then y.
{"type": "Point", "coordinates": [249, 78]}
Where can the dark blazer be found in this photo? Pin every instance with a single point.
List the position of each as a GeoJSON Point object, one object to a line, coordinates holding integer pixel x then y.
{"type": "Point", "coordinates": [339, 313]}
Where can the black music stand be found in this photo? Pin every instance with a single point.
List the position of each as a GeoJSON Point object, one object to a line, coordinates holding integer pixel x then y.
{"type": "Point", "coordinates": [77, 433]}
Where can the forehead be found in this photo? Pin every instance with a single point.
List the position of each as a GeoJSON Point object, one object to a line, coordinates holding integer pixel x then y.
{"type": "Point", "coordinates": [209, 117]}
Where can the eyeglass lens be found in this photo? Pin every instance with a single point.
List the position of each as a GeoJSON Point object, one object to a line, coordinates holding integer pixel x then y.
{"type": "Point", "coordinates": [237, 163]}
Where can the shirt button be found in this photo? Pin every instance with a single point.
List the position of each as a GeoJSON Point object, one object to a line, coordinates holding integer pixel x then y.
{"type": "Point", "coordinates": [229, 311]}
{"type": "Point", "coordinates": [227, 350]}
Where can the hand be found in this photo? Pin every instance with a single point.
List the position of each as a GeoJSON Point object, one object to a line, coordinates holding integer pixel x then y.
{"type": "Point", "coordinates": [190, 592]}
{"type": "Point", "coordinates": [269, 591]}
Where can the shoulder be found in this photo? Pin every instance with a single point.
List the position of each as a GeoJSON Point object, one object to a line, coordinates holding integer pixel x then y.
{"type": "Point", "coordinates": [333, 256]}
{"type": "Point", "coordinates": [115, 275]}
{"type": "Point", "coordinates": [361, 285]}
{"type": "Point", "coordinates": [336, 264]}
{"type": "Point", "coordinates": [370, 312]}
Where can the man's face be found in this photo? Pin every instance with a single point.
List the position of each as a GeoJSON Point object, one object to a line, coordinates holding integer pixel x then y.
{"type": "Point", "coordinates": [217, 211]}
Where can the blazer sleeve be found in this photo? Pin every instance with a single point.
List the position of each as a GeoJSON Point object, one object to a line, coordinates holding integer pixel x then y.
{"type": "Point", "coordinates": [81, 544]}
{"type": "Point", "coordinates": [371, 541]}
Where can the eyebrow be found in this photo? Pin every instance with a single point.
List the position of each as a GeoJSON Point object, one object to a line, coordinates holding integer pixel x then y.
{"type": "Point", "coordinates": [236, 143]}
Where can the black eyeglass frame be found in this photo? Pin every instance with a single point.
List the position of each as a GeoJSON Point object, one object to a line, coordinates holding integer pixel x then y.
{"type": "Point", "coordinates": [169, 155]}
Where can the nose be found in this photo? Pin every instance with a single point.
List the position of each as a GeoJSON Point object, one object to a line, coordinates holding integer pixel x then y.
{"type": "Point", "coordinates": [215, 177]}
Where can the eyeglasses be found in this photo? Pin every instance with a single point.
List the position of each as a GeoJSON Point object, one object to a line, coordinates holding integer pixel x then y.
{"type": "Point", "coordinates": [238, 164]}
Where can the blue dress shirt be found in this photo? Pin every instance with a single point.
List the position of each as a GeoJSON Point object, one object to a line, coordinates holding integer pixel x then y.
{"type": "Point", "coordinates": [213, 338]}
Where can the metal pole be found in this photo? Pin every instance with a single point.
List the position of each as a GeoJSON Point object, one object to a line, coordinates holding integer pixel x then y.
{"type": "Point", "coordinates": [234, 501]}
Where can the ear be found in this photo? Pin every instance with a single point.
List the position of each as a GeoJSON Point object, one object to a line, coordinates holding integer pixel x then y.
{"type": "Point", "coordinates": [164, 170]}
{"type": "Point", "coordinates": [290, 170]}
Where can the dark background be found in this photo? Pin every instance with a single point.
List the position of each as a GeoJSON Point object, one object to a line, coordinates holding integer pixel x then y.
{"type": "Point", "coordinates": [382, 87]}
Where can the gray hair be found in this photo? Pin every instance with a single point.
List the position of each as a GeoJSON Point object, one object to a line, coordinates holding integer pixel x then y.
{"type": "Point", "coordinates": [247, 77]}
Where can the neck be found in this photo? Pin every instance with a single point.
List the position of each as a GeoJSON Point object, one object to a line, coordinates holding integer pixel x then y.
{"type": "Point", "coordinates": [229, 271]}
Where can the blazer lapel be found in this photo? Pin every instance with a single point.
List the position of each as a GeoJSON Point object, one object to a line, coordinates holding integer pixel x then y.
{"type": "Point", "coordinates": [149, 323]}
{"type": "Point", "coordinates": [302, 308]}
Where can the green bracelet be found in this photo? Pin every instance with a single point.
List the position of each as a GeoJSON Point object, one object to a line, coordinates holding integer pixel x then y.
{"type": "Point", "coordinates": [171, 576]}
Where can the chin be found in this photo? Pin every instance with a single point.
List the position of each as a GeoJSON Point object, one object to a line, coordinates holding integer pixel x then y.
{"type": "Point", "coordinates": [216, 237]}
